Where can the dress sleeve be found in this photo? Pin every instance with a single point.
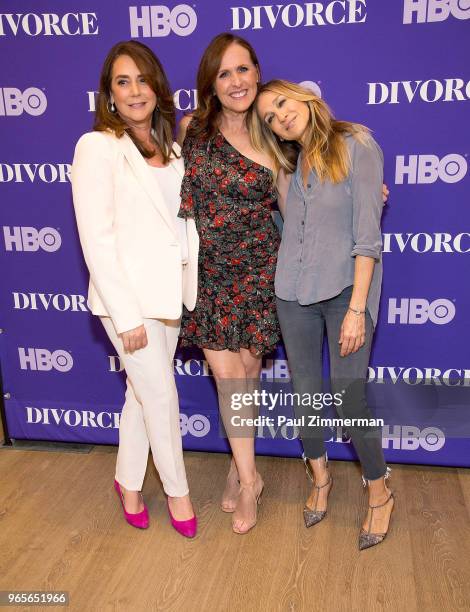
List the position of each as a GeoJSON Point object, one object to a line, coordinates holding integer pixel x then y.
{"type": "Point", "coordinates": [367, 179]}
{"type": "Point", "coordinates": [187, 207]}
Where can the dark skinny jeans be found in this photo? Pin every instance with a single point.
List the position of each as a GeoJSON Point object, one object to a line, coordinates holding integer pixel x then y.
{"type": "Point", "coordinates": [302, 331]}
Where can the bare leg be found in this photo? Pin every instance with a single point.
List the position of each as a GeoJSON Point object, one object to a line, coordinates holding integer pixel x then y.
{"type": "Point", "coordinates": [253, 370]}
{"type": "Point", "coordinates": [231, 376]}
{"type": "Point", "coordinates": [232, 487]}
{"type": "Point", "coordinates": [245, 515]}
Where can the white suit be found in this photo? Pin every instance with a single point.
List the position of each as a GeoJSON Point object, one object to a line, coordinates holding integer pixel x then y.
{"type": "Point", "coordinates": [132, 248]}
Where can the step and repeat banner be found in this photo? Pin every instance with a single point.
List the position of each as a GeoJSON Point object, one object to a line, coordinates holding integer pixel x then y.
{"type": "Point", "coordinates": [400, 67]}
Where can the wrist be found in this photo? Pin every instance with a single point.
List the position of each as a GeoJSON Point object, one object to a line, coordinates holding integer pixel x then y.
{"type": "Point", "coordinates": [357, 310]}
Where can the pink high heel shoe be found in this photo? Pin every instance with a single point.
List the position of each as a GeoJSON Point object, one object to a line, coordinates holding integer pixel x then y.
{"type": "Point", "coordinates": [186, 528]}
{"type": "Point", "coordinates": [139, 519]}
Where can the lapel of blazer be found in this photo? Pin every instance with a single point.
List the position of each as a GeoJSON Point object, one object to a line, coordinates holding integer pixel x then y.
{"type": "Point", "coordinates": [143, 173]}
{"type": "Point", "coordinates": [178, 164]}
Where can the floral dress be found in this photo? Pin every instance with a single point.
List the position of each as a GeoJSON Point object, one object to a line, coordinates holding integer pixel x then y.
{"type": "Point", "coordinates": [230, 198]}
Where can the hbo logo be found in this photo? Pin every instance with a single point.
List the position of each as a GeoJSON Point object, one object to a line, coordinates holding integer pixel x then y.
{"type": "Point", "coordinates": [14, 103]}
{"type": "Point", "coordinates": [197, 425]}
{"type": "Point", "coordinates": [43, 360]}
{"type": "Point", "coordinates": [428, 168]}
{"type": "Point", "coordinates": [408, 437]}
{"type": "Point", "coordinates": [415, 311]}
{"type": "Point", "coordinates": [30, 239]}
{"type": "Point", "coordinates": [161, 21]}
{"type": "Point", "coordinates": [434, 10]}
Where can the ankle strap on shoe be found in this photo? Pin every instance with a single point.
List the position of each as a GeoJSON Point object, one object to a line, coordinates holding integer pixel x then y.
{"type": "Point", "coordinates": [324, 485]}
{"type": "Point", "coordinates": [384, 504]}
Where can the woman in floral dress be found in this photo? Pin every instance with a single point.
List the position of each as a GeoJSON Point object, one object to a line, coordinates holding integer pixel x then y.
{"type": "Point", "coordinates": [228, 189]}
{"type": "Point", "coordinates": [231, 197]}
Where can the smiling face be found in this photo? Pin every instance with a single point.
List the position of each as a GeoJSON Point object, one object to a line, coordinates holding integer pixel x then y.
{"type": "Point", "coordinates": [133, 97]}
{"type": "Point", "coordinates": [236, 81]}
{"type": "Point", "coordinates": [286, 117]}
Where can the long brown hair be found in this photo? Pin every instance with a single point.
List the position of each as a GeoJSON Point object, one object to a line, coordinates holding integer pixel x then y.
{"type": "Point", "coordinates": [204, 118]}
{"type": "Point", "coordinates": [163, 117]}
{"type": "Point", "coordinates": [324, 148]}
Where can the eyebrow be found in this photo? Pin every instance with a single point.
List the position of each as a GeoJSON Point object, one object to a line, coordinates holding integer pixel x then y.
{"type": "Point", "coordinates": [274, 104]}
{"type": "Point", "coordinates": [229, 69]}
{"type": "Point", "coordinates": [125, 76]}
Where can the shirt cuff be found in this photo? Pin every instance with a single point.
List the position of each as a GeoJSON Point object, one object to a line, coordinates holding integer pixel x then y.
{"type": "Point", "coordinates": [367, 251]}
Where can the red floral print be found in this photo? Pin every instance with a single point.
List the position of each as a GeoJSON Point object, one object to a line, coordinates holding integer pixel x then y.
{"type": "Point", "coordinates": [230, 198]}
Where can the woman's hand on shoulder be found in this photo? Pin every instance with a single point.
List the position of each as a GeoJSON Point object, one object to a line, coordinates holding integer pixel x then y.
{"type": "Point", "coordinates": [385, 193]}
{"type": "Point", "coordinates": [134, 339]}
{"type": "Point", "coordinates": [182, 128]}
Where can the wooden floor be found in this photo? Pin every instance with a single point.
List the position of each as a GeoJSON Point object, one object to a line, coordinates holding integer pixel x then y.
{"type": "Point", "coordinates": [61, 528]}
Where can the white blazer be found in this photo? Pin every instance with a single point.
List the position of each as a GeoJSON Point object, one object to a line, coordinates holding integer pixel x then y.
{"type": "Point", "coordinates": [129, 239]}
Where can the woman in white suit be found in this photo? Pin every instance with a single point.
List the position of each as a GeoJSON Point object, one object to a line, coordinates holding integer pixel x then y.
{"type": "Point", "coordinates": [142, 259]}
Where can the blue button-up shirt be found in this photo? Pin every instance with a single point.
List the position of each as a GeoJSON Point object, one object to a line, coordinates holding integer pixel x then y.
{"type": "Point", "coordinates": [326, 225]}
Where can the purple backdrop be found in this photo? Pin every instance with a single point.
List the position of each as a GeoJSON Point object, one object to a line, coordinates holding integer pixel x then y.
{"type": "Point", "coordinates": [399, 67]}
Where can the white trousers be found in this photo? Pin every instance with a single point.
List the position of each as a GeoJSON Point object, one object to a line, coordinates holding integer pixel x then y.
{"type": "Point", "coordinates": [150, 416]}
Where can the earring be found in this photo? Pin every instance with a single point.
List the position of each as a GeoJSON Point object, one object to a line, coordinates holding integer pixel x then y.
{"type": "Point", "coordinates": [111, 109]}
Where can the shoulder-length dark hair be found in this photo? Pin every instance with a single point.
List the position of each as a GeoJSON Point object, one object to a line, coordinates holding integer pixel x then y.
{"type": "Point", "coordinates": [204, 118]}
{"type": "Point", "coordinates": [164, 115]}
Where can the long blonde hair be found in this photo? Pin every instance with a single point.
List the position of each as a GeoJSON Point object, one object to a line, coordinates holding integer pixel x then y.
{"type": "Point", "coordinates": [324, 149]}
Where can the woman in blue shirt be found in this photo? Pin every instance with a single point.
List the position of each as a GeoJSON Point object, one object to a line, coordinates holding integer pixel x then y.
{"type": "Point", "coordinates": [328, 275]}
